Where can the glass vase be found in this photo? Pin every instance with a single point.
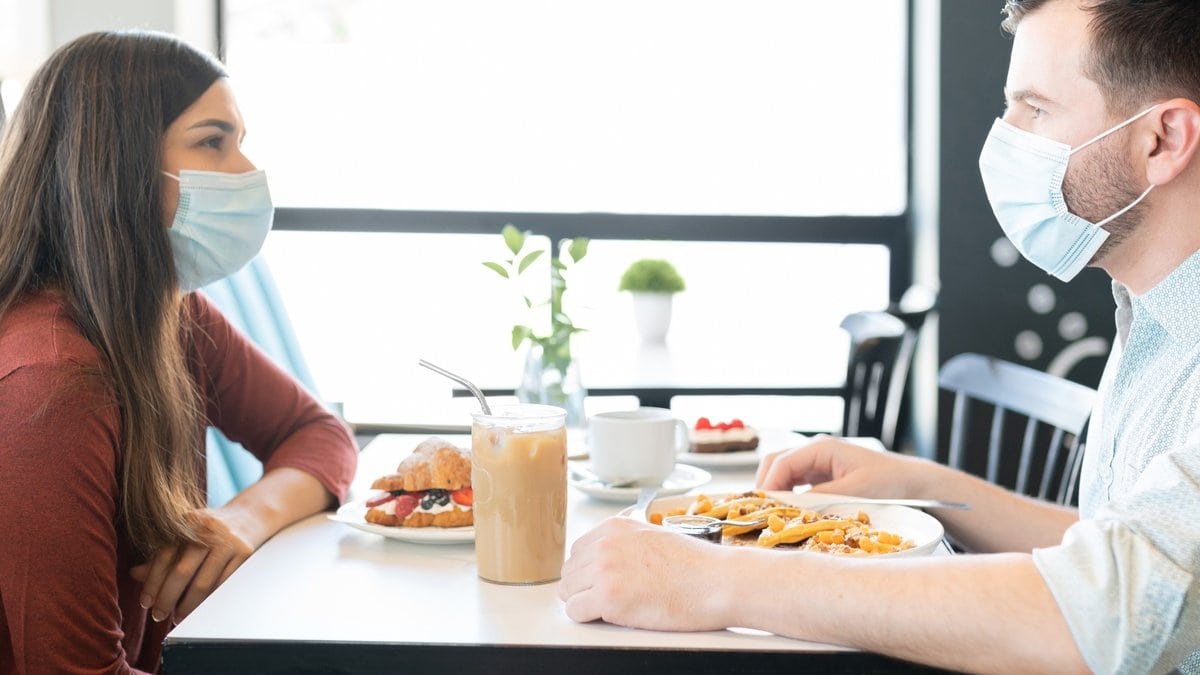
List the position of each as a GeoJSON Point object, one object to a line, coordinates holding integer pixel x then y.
{"type": "Point", "coordinates": [552, 378]}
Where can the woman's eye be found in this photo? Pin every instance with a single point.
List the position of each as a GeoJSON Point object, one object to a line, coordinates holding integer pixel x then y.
{"type": "Point", "coordinates": [213, 142]}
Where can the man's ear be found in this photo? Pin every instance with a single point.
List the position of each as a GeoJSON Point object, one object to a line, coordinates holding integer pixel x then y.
{"type": "Point", "coordinates": [1177, 136]}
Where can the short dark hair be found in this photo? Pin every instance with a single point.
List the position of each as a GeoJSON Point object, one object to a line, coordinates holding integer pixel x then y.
{"type": "Point", "coordinates": [1140, 51]}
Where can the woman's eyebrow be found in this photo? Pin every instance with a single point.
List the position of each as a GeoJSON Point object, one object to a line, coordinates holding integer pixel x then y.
{"type": "Point", "coordinates": [218, 123]}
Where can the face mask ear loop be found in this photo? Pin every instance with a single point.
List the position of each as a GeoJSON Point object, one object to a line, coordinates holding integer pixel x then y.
{"type": "Point", "coordinates": [1122, 211]}
{"type": "Point", "coordinates": [171, 175]}
{"type": "Point", "coordinates": [1120, 126]}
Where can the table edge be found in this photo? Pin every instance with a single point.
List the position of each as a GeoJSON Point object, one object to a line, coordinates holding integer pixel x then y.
{"type": "Point", "coordinates": [194, 655]}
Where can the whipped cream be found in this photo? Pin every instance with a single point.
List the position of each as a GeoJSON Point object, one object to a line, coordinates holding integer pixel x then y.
{"type": "Point", "coordinates": [723, 435]}
{"type": "Point", "coordinates": [389, 507]}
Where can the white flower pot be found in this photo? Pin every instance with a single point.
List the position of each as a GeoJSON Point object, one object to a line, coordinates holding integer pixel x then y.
{"type": "Point", "coordinates": [652, 313]}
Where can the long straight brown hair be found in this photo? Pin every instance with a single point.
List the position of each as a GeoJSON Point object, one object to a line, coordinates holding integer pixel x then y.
{"type": "Point", "coordinates": [81, 212]}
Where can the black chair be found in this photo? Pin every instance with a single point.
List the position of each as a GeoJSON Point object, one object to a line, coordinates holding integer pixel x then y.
{"type": "Point", "coordinates": [914, 306]}
{"type": "Point", "coordinates": [880, 352]}
{"type": "Point", "coordinates": [1047, 413]}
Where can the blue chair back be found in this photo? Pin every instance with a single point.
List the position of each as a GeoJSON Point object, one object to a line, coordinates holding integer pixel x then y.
{"type": "Point", "coordinates": [250, 301]}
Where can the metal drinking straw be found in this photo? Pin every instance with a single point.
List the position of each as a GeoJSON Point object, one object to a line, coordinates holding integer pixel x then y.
{"type": "Point", "coordinates": [461, 380]}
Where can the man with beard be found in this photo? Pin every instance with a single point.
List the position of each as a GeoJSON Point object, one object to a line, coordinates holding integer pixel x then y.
{"type": "Point", "coordinates": [1094, 162]}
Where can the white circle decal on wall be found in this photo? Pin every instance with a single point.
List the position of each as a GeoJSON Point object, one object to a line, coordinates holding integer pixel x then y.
{"type": "Point", "coordinates": [1028, 345]}
{"type": "Point", "coordinates": [1004, 253]}
{"type": "Point", "coordinates": [1072, 326]}
{"type": "Point", "coordinates": [1041, 299]}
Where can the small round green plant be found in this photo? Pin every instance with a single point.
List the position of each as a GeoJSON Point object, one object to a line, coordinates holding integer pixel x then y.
{"type": "Point", "coordinates": [649, 275]}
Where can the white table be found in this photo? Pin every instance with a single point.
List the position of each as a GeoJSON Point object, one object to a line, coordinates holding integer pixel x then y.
{"type": "Point", "coordinates": [322, 596]}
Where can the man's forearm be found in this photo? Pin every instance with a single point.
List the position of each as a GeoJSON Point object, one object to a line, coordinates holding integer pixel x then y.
{"type": "Point", "coordinates": [998, 520]}
{"type": "Point", "coordinates": [989, 613]}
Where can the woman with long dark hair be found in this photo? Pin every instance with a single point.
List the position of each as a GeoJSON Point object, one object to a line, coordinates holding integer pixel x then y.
{"type": "Point", "coordinates": [123, 189]}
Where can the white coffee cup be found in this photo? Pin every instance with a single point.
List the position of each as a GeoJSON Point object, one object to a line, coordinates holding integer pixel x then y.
{"type": "Point", "coordinates": [635, 445]}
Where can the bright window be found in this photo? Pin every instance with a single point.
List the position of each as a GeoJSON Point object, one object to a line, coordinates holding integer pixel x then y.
{"type": "Point", "coordinates": [366, 307]}
{"type": "Point", "coordinates": [677, 107]}
{"type": "Point", "coordinates": [774, 107]}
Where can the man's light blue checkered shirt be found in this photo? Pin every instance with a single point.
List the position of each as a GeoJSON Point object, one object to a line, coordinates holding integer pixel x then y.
{"type": "Point", "coordinates": [1127, 575]}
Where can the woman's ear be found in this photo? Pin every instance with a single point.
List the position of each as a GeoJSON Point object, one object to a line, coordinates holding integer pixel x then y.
{"type": "Point", "coordinates": [1177, 135]}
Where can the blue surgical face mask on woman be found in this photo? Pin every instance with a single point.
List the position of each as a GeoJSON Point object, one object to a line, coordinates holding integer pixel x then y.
{"type": "Point", "coordinates": [1023, 175]}
{"type": "Point", "coordinates": [220, 224]}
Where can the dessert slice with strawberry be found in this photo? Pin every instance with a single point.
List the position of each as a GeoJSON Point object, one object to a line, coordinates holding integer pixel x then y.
{"type": "Point", "coordinates": [731, 436]}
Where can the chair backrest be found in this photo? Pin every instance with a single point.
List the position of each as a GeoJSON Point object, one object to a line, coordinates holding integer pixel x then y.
{"type": "Point", "coordinates": [1055, 412]}
{"type": "Point", "coordinates": [914, 306]}
{"type": "Point", "coordinates": [250, 301]}
{"type": "Point", "coordinates": [880, 352]}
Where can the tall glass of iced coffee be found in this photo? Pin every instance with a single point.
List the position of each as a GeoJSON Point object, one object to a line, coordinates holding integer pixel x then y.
{"type": "Point", "coordinates": [519, 475]}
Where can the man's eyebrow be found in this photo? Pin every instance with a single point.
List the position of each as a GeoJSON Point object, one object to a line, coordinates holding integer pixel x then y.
{"type": "Point", "coordinates": [1025, 94]}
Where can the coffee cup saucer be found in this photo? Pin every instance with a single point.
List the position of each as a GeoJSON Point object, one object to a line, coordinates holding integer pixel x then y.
{"type": "Point", "coordinates": [685, 477]}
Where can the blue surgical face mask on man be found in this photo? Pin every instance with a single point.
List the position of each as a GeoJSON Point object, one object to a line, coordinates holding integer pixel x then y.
{"type": "Point", "coordinates": [220, 224]}
{"type": "Point", "coordinates": [1023, 175]}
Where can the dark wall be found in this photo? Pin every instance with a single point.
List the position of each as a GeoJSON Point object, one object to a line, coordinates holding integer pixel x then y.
{"type": "Point", "coordinates": [1008, 309]}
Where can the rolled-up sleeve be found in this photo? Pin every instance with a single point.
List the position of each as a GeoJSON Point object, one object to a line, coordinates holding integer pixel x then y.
{"type": "Point", "coordinates": [1127, 580]}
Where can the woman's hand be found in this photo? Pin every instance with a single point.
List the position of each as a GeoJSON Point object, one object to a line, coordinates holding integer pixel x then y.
{"type": "Point", "coordinates": [833, 465]}
{"type": "Point", "coordinates": [178, 578]}
{"type": "Point", "coordinates": [636, 574]}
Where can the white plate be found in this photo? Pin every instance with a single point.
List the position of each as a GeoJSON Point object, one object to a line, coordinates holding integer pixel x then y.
{"type": "Point", "coordinates": [352, 514]}
{"type": "Point", "coordinates": [925, 531]}
{"type": "Point", "coordinates": [684, 478]}
{"type": "Point", "coordinates": [719, 460]}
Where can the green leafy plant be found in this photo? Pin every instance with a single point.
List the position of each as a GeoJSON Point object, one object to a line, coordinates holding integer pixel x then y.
{"type": "Point", "coordinates": [650, 275]}
{"type": "Point", "coordinates": [556, 345]}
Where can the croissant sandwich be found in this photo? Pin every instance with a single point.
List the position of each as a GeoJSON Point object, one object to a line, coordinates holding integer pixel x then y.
{"type": "Point", "coordinates": [431, 488]}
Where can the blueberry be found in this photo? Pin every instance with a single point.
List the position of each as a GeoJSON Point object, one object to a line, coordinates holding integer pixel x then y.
{"type": "Point", "coordinates": [435, 498]}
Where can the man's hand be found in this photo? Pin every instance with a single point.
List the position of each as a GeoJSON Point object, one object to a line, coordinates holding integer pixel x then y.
{"type": "Point", "coordinates": [178, 578]}
{"type": "Point", "coordinates": [834, 465]}
{"type": "Point", "coordinates": [636, 574]}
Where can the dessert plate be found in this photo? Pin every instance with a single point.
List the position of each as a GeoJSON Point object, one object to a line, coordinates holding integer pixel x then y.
{"type": "Point", "coordinates": [717, 460]}
{"type": "Point", "coordinates": [352, 514]}
{"type": "Point", "coordinates": [683, 479]}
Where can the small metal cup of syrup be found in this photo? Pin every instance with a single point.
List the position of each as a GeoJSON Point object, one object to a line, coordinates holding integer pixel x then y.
{"type": "Point", "coordinates": [701, 527]}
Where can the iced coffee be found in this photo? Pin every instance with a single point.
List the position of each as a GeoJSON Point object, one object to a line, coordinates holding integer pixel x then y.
{"type": "Point", "coordinates": [519, 475]}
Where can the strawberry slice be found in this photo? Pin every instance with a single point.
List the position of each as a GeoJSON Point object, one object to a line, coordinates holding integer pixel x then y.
{"type": "Point", "coordinates": [723, 426]}
{"type": "Point", "coordinates": [406, 504]}
{"type": "Point", "coordinates": [735, 423]}
{"type": "Point", "coordinates": [703, 423]}
{"type": "Point", "coordinates": [381, 498]}
{"type": "Point", "coordinates": [465, 496]}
